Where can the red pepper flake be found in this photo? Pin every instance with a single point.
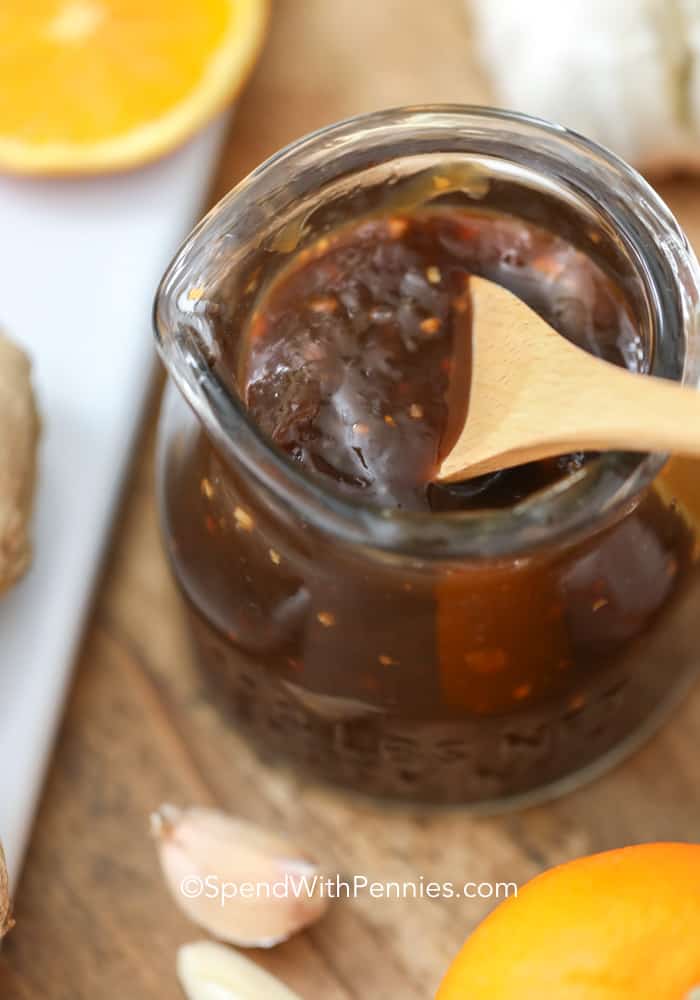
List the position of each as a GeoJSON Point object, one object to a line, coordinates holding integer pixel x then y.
{"type": "Point", "coordinates": [243, 519]}
{"type": "Point", "coordinates": [389, 420]}
{"type": "Point", "coordinates": [431, 325]}
{"type": "Point", "coordinates": [323, 304]}
{"type": "Point", "coordinates": [433, 274]}
{"type": "Point", "coordinates": [397, 228]}
{"type": "Point", "coordinates": [258, 325]}
{"type": "Point", "coordinates": [415, 411]}
{"type": "Point", "coordinates": [207, 488]}
{"type": "Point", "coordinates": [602, 602]}
{"type": "Point", "coordinates": [326, 619]}
{"type": "Point", "coordinates": [210, 524]}
{"type": "Point", "coordinates": [576, 702]}
{"type": "Point", "coordinates": [388, 661]}
{"type": "Point", "coordinates": [275, 557]}
{"type": "Point", "coordinates": [407, 587]}
{"type": "Point", "coordinates": [294, 664]}
{"type": "Point", "coordinates": [522, 691]}
{"type": "Point", "coordinates": [548, 265]}
{"type": "Point", "coordinates": [460, 304]}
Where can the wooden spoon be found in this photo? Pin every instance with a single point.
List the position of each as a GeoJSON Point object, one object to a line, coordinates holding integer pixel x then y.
{"type": "Point", "coordinates": [535, 395]}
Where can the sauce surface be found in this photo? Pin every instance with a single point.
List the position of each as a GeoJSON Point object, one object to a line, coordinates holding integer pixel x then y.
{"type": "Point", "coordinates": [359, 359]}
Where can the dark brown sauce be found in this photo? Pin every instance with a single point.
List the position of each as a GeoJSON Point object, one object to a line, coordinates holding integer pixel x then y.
{"type": "Point", "coordinates": [446, 682]}
{"type": "Point", "coordinates": [359, 359]}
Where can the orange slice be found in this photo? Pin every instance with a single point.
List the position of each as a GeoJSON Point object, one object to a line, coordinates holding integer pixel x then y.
{"type": "Point", "coordinates": [92, 85]}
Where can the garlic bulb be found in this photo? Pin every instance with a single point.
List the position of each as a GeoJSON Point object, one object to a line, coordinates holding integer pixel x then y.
{"type": "Point", "coordinates": [209, 971]}
{"type": "Point", "coordinates": [623, 72]}
{"type": "Point", "coordinates": [6, 920]}
{"type": "Point", "coordinates": [243, 884]}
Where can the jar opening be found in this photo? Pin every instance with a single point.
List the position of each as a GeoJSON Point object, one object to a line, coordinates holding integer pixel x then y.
{"type": "Point", "coordinates": [506, 162]}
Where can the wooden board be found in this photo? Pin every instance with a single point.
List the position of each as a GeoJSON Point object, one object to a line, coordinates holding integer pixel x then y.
{"type": "Point", "coordinates": [93, 916]}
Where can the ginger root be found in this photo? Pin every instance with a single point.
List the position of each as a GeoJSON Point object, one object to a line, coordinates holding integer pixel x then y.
{"type": "Point", "coordinates": [6, 921]}
{"type": "Point", "coordinates": [19, 432]}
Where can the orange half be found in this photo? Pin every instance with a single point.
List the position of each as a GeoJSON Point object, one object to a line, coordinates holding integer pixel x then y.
{"type": "Point", "coordinates": [623, 925]}
{"type": "Point", "coordinates": [92, 85]}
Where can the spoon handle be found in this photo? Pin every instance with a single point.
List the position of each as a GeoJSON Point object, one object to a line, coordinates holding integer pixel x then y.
{"type": "Point", "coordinates": [576, 402]}
{"type": "Point", "coordinates": [633, 412]}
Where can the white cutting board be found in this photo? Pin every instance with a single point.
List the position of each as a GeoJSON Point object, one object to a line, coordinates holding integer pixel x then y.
{"type": "Point", "coordinates": [79, 264]}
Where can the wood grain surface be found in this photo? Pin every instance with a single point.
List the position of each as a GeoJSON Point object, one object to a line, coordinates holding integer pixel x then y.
{"type": "Point", "coordinates": [94, 920]}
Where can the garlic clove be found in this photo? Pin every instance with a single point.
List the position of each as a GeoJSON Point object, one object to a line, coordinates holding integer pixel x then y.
{"type": "Point", "coordinates": [243, 884]}
{"type": "Point", "coordinates": [6, 921]}
{"type": "Point", "coordinates": [210, 971]}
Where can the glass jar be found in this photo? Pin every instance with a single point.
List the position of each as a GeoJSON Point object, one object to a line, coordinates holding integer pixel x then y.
{"type": "Point", "coordinates": [478, 657]}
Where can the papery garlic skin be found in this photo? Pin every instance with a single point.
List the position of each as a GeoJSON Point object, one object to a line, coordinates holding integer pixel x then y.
{"type": "Point", "coordinates": [625, 73]}
{"type": "Point", "coordinates": [207, 857]}
{"type": "Point", "coordinates": [209, 971]}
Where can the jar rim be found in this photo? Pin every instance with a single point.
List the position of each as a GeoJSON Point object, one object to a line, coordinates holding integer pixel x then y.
{"type": "Point", "coordinates": [562, 512]}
